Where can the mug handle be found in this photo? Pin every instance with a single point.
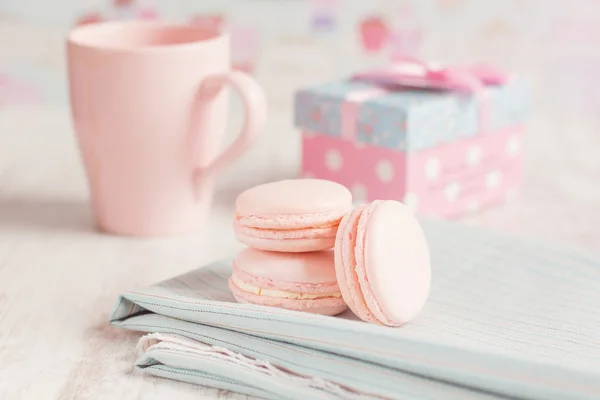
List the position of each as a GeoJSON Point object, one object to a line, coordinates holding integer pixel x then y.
{"type": "Point", "coordinates": [255, 110]}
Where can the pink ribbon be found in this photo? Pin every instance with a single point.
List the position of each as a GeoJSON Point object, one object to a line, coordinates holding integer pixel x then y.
{"type": "Point", "coordinates": [411, 72]}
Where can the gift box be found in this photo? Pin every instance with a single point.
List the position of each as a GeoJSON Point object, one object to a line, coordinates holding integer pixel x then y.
{"type": "Point", "coordinates": [443, 141]}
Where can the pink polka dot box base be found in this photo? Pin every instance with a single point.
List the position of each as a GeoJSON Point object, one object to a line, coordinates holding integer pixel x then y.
{"type": "Point", "coordinates": [444, 152]}
{"type": "Point", "coordinates": [447, 181]}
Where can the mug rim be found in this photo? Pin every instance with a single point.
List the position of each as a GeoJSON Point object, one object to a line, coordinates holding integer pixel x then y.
{"type": "Point", "coordinates": [75, 36]}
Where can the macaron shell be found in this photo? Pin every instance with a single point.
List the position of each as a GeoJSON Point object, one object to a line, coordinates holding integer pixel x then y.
{"type": "Point", "coordinates": [294, 196]}
{"type": "Point", "coordinates": [287, 268]}
{"type": "Point", "coordinates": [345, 265]}
{"type": "Point", "coordinates": [394, 254]}
{"type": "Point", "coordinates": [294, 287]}
{"type": "Point", "coordinates": [287, 245]}
{"type": "Point", "coordinates": [323, 306]}
{"type": "Point", "coordinates": [370, 302]}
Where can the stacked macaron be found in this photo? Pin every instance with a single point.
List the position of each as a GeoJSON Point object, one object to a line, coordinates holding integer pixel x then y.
{"type": "Point", "coordinates": [379, 268]}
{"type": "Point", "coordinates": [294, 216]}
{"type": "Point", "coordinates": [290, 227]}
{"type": "Point", "coordinates": [295, 281]}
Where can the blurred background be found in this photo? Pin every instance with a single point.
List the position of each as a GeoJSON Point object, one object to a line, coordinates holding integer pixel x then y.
{"type": "Point", "coordinates": [289, 44]}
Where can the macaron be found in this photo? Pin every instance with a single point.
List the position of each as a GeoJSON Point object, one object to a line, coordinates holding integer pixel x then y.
{"type": "Point", "coordinates": [382, 263]}
{"type": "Point", "coordinates": [296, 215]}
{"type": "Point", "coordinates": [294, 281]}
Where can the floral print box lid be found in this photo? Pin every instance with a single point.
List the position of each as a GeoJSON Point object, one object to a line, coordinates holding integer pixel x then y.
{"type": "Point", "coordinates": [405, 119]}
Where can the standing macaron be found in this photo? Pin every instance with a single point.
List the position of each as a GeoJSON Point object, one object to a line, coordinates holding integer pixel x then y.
{"type": "Point", "coordinates": [296, 215]}
{"type": "Point", "coordinates": [382, 263]}
{"type": "Point", "coordinates": [295, 281]}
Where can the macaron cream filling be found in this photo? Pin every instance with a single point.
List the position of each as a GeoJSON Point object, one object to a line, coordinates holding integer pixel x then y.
{"type": "Point", "coordinates": [292, 221]}
{"type": "Point", "coordinates": [322, 231]}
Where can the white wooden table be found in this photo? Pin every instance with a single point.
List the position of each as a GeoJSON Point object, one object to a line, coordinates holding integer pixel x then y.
{"type": "Point", "coordinates": [59, 278]}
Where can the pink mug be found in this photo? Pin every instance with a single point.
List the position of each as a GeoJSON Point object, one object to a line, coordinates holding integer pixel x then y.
{"type": "Point", "coordinates": [149, 110]}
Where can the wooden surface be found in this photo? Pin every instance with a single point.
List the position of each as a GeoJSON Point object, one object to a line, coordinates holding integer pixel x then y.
{"type": "Point", "coordinates": [59, 278]}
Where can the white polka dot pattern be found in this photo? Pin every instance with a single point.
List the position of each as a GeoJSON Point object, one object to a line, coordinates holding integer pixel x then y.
{"type": "Point", "coordinates": [432, 168]}
{"type": "Point", "coordinates": [449, 181]}
{"type": "Point", "coordinates": [452, 191]}
{"type": "Point", "coordinates": [493, 179]}
{"type": "Point", "coordinates": [474, 155]}
{"type": "Point", "coordinates": [513, 146]}
{"type": "Point", "coordinates": [411, 200]}
{"type": "Point", "coordinates": [359, 192]}
{"type": "Point", "coordinates": [385, 171]}
{"type": "Point", "coordinates": [334, 160]}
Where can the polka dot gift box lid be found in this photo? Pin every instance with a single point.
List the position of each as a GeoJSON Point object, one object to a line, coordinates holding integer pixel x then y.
{"type": "Point", "coordinates": [429, 147]}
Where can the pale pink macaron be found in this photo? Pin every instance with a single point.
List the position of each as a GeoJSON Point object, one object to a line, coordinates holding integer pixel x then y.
{"type": "Point", "coordinates": [294, 281]}
{"type": "Point", "coordinates": [382, 263]}
{"type": "Point", "coordinates": [295, 215]}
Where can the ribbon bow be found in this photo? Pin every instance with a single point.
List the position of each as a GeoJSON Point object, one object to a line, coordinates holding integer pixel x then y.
{"type": "Point", "coordinates": [411, 72]}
